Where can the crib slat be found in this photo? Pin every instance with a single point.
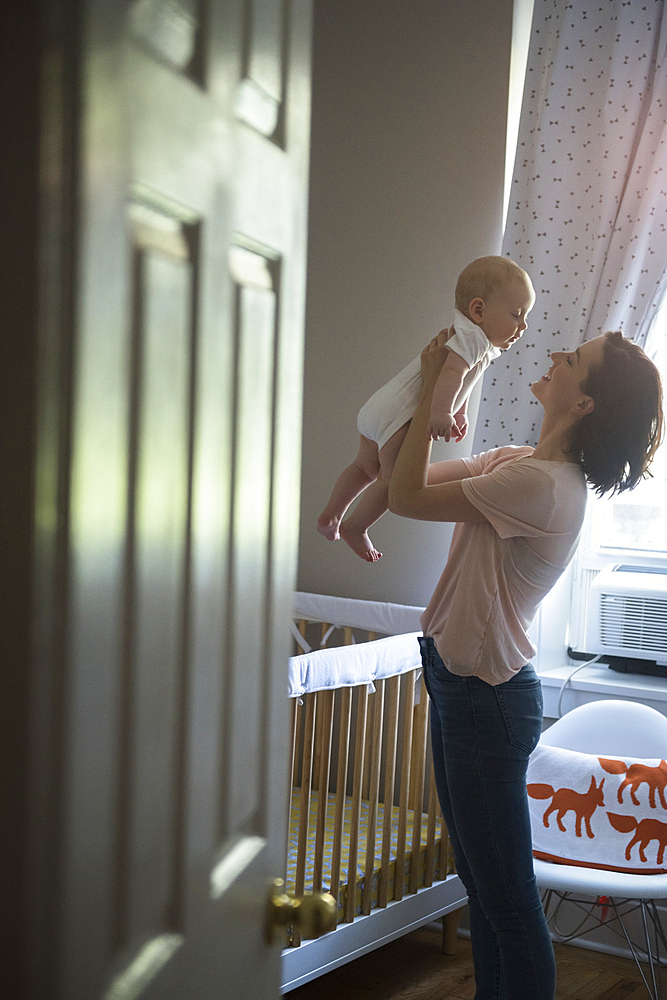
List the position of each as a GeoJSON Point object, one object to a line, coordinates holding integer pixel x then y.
{"type": "Point", "coordinates": [389, 780]}
{"type": "Point", "coordinates": [431, 825]}
{"type": "Point", "coordinates": [429, 864]}
{"type": "Point", "coordinates": [374, 786]}
{"type": "Point", "coordinates": [348, 635]}
{"type": "Point", "coordinates": [362, 706]}
{"type": "Point", "coordinates": [317, 741]}
{"type": "Point", "coordinates": [418, 773]}
{"type": "Point", "coordinates": [446, 856]}
{"type": "Point", "coordinates": [318, 731]}
{"type": "Point", "coordinates": [306, 779]}
{"type": "Point", "coordinates": [296, 754]}
{"type": "Point", "coordinates": [325, 705]}
{"type": "Point", "coordinates": [298, 743]}
{"type": "Point", "coordinates": [405, 783]}
{"type": "Point", "coordinates": [372, 636]}
{"type": "Point", "coordinates": [367, 757]}
{"type": "Point", "coordinates": [341, 781]}
{"type": "Point", "coordinates": [293, 722]}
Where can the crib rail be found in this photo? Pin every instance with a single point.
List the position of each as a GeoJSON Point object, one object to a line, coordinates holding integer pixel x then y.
{"type": "Point", "coordinates": [359, 754]}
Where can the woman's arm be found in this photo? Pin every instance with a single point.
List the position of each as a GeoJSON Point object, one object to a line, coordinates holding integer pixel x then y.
{"type": "Point", "coordinates": [447, 472]}
{"type": "Point", "coordinates": [412, 490]}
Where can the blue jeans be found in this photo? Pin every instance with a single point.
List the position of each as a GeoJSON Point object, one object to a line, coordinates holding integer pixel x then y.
{"type": "Point", "coordinates": [482, 736]}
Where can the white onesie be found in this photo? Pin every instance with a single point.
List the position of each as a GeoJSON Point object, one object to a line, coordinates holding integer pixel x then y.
{"type": "Point", "coordinates": [394, 404]}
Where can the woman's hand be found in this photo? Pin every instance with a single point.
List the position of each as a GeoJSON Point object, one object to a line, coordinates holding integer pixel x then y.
{"type": "Point", "coordinates": [433, 357]}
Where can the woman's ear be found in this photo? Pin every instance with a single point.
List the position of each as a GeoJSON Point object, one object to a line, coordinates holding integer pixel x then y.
{"type": "Point", "coordinates": [476, 309]}
{"type": "Point", "coordinates": [585, 405]}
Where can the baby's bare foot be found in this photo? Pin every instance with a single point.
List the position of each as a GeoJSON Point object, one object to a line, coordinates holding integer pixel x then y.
{"type": "Point", "coordinates": [328, 526]}
{"type": "Point", "coordinates": [359, 542]}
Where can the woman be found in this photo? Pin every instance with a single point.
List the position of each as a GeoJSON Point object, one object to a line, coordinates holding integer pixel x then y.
{"type": "Point", "coordinates": [520, 512]}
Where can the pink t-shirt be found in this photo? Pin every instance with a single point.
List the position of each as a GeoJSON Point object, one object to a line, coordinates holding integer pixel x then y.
{"type": "Point", "coordinates": [499, 570]}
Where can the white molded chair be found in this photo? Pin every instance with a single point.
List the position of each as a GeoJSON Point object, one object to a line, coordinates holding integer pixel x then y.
{"type": "Point", "coordinates": [615, 729]}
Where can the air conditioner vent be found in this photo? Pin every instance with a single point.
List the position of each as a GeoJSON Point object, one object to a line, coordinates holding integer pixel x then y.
{"type": "Point", "coordinates": [627, 614]}
{"type": "Point", "coordinates": [635, 623]}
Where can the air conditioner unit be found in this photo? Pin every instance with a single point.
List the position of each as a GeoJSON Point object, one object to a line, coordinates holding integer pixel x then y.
{"type": "Point", "coordinates": [627, 613]}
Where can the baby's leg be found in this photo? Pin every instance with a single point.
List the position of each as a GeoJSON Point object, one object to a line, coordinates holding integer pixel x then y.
{"type": "Point", "coordinates": [373, 504]}
{"type": "Point", "coordinates": [351, 482]}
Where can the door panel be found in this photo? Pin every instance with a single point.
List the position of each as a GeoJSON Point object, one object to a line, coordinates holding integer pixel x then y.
{"type": "Point", "coordinates": [158, 539]}
{"type": "Point", "coordinates": [260, 91]}
{"type": "Point", "coordinates": [178, 515]}
{"type": "Point", "coordinates": [255, 325]}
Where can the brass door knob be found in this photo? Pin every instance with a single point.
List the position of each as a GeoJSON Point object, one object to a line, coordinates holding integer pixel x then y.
{"type": "Point", "coordinates": [313, 914]}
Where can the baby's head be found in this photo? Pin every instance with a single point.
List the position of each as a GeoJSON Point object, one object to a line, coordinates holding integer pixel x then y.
{"type": "Point", "coordinates": [497, 295]}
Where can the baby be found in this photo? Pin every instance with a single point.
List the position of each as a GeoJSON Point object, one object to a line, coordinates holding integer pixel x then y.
{"type": "Point", "coordinates": [493, 297]}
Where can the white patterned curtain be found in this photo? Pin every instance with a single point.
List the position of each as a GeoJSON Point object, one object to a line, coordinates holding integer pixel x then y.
{"type": "Point", "coordinates": [587, 215]}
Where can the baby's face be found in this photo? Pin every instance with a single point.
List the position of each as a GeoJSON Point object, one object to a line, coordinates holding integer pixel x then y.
{"type": "Point", "coordinates": [505, 313]}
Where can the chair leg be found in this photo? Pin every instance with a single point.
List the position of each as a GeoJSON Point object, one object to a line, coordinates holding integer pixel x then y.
{"type": "Point", "coordinates": [659, 937]}
{"type": "Point", "coordinates": [657, 923]}
{"type": "Point", "coordinates": [661, 959]}
{"type": "Point", "coordinates": [649, 955]}
{"type": "Point", "coordinates": [635, 954]}
{"type": "Point", "coordinates": [649, 949]}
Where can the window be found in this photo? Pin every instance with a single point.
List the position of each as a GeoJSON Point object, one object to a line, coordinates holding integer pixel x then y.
{"type": "Point", "coordinates": [634, 522]}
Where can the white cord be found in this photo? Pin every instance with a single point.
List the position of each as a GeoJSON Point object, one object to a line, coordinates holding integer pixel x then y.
{"type": "Point", "coordinates": [325, 637]}
{"type": "Point", "coordinates": [299, 638]}
{"type": "Point", "coordinates": [569, 678]}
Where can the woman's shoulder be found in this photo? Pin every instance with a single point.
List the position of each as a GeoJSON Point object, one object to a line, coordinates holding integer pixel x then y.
{"type": "Point", "coordinates": [566, 479]}
{"type": "Point", "coordinates": [523, 457]}
{"type": "Point", "coordinates": [565, 473]}
{"type": "Point", "coordinates": [513, 470]}
{"type": "Point", "coordinates": [496, 458]}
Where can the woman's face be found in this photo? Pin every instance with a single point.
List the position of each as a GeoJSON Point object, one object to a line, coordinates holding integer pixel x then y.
{"type": "Point", "coordinates": [560, 388]}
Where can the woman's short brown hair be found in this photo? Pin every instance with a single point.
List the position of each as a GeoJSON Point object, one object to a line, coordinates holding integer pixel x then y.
{"type": "Point", "coordinates": [615, 443]}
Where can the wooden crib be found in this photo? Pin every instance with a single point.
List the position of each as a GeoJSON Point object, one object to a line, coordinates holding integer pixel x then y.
{"type": "Point", "coordinates": [364, 819]}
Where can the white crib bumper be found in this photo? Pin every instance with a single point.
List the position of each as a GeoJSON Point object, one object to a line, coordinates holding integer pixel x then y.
{"type": "Point", "coordinates": [349, 666]}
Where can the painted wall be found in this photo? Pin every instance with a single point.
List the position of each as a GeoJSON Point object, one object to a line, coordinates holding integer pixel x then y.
{"type": "Point", "coordinates": [407, 171]}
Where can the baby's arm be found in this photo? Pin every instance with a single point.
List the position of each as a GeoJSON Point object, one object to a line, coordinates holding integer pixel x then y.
{"type": "Point", "coordinates": [461, 418]}
{"type": "Point", "coordinates": [442, 421]}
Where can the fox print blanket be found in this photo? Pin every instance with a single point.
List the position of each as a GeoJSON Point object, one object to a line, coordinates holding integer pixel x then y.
{"type": "Point", "coordinates": [598, 812]}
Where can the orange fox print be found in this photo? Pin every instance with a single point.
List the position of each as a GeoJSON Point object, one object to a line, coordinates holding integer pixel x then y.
{"type": "Point", "coordinates": [582, 804]}
{"type": "Point", "coordinates": [655, 778]}
{"type": "Point", "coordinates": [646, 830]}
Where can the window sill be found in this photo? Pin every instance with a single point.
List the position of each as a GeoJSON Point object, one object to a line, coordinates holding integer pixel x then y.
{"type": "Point", "coordinates": [596, 682]}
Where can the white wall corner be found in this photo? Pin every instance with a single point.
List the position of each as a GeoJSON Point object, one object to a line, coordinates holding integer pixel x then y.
{"type": "Point", "coordinates": [522, 20]}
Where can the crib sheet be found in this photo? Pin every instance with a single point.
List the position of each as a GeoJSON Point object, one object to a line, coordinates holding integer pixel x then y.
{"type": "Point", "coordinates": [443, 865]}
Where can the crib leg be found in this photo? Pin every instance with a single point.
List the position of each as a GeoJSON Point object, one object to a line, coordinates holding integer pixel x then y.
{"type": "Point", "coordinates": [450, 927]}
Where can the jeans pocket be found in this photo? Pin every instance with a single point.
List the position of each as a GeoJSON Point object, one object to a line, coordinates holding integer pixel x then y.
{"type": "Point", "coordinates": [521, 705]}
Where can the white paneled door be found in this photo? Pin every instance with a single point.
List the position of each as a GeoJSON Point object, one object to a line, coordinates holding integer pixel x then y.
{"type": "Point", "coordinates": [169, 490]}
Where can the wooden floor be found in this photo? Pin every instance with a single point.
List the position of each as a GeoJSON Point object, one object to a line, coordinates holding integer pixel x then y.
{"type": "Point", "coordinates": [413, 968]}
